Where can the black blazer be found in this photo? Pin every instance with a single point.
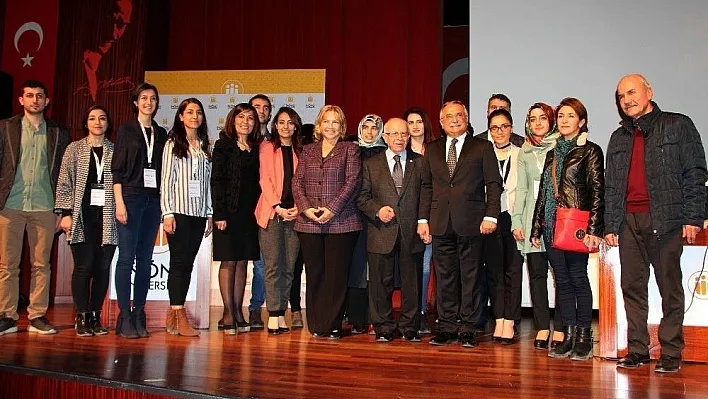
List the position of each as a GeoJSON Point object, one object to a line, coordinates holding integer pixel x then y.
{"type": "Point", "coordinates": [226, 177]}
{"type": "Point", "coordinates": [460, 198]}
{"type": "Point", "coordinates": [378, 190]}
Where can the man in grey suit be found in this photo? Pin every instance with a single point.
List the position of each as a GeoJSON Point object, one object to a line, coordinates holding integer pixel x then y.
{"type": "Point", "coordinates": [389, 198]}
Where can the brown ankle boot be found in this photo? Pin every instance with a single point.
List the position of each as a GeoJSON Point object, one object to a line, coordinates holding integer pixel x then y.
{"type": "Point", "coordinates": [171, 323]}
{"type": "Point", "coordinates": [183, 327]}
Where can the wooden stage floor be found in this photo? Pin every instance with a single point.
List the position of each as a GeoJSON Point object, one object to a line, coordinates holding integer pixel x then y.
{"type": "Point", "coordinates": [297, 366]}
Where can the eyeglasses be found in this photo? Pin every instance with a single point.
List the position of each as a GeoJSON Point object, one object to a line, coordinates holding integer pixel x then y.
{"type": "Point", "coordinates": [496, 129]}
{"type": "Point", "coordinates": [398, 135]}
{"type": "Point", "coordinates": [451, 117]}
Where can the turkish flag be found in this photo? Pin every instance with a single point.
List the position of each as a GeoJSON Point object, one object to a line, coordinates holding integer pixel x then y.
{"type": "Point", "coordinates": [30, 43]}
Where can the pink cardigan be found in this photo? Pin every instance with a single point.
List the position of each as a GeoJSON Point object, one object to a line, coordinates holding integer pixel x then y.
{"type": "Point", "coordinates": [271, 180]}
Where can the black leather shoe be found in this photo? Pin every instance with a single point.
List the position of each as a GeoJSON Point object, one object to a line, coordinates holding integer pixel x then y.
{"type": "Point", "coordinates": [507, 341]}
{"type": "Point", "coordinates": [385, 337]}
{"type": "Point", "coordinates": [125, 326]}
{"type": "Point", "coordinates": [83, 325]}
{"type": "Point", "coordinates": [140, 320]}
{"type": "Point", "coordinates": [668, 364]}
{"type": "Point", "coordinates": [540, 344]}
{"type": "Point", "coordinates": [633, 360]}
{"type": "Point", "coordinates": [565, 348]}
{"type": "Point", "coordinates": [319, 335]}
{"type": "Point", "coordinates": [583, 344]}
{"type": "Point", "coordinates": [273, 331]}
{"type": "Point", "coordinates": [468, 340]}
{"type": "Point", "coordinates": [496, 340]}
{"type": "Point", "coordinates": [358, 329]}
{"type": "Point", "coordinates": [411, 336]}
{"type": "Point", "coordinates": [444, 338]}
{"type": "Point", "coordinates": [96, 326]}
{"type": "Point", "coordinates": [423, 328]}
{"type": "Point", "coordinates": [283, 330]}
{"type": "Point", "coordinates": [554, 344]}
{"type": "Point", "coordinates": [334, 335]}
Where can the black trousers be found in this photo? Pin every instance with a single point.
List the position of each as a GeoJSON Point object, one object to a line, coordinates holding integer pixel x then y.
{"type": "Point", "coordinates": [381, 284]}
{"type": "Point", "coordinates": [92, 265]}
{"type": "Point", "coordinates": [537, 263]}
{"type": "Point", "coordinates": [184, 245]}
{"type": "Point", "coordinates": [327, 261]}
{"type": "Point", "coordinates": [457, 263]}
{"type": "Point", "coordinates": [639, 248]}
{"type": "Point", "coordinates": [505, 261]}
{"type": "Point", "coordinates": [297, 284]}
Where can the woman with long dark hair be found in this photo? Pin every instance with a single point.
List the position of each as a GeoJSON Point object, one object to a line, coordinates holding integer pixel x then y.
{"type": "Point", "coordinates": [186, 205]}
{"type": "Point", "coordinates": [579, 181]}
{"type": "Point", "coordinates": [420, 129]}
{"type": "Point", "coordinates": [137, 167]}
{"type": "Point", "coordinates": [84, 198]}
{"type": "Point", "coordinates": [276, 213]}
{"type": "Point", "coordinates": [235, 191]}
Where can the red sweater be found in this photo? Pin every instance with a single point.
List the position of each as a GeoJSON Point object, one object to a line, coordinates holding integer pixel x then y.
{"type": "Point", "coordinates": [637, 191]}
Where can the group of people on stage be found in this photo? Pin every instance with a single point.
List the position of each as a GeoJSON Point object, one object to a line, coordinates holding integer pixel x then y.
{"type": "Point", "coordinates": [363, 217]}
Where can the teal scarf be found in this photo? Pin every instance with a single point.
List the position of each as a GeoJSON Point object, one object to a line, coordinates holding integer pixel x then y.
{"type": "Point", "coordinates": [560, 151]}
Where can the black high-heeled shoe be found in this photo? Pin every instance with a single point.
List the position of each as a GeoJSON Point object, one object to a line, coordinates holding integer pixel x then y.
{"type": "Point", "coordinates": [273, 331]}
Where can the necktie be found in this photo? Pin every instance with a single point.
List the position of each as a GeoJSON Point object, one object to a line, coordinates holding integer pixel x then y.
{"type": "Point", "coordinates": [452, 157]}
{"type": "Point", "coordinates": [397, 174]}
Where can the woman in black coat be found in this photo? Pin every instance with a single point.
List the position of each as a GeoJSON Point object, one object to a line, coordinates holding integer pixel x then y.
{"type": "Point", "coordinates": [579, 177]}
{"type": "Point", "coordinates": [235, 191]}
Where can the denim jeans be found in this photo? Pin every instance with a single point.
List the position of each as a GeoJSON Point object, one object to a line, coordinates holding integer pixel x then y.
{"type": "Point", "coordinates": [257, 285]}
{"type": "Point", "coordinates": [136, 241]}
{"type": "Point", "coordinates": [427, 257]}
{"type": "Point", "coordinates": [572, 286]}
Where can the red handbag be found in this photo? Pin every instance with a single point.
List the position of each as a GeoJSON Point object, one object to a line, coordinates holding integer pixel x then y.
{"type": "Point", "coordinates": [570, 226]}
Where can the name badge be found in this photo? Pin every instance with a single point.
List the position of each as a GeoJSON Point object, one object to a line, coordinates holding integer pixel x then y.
{"type": "Point", "coordinates": [195, 189]}
{"type": "Point", "coordinates": [504, 202]}
{"type": "Point", "coordinates": [149, 178]}
{"type": "Point", "coordinates": [98, 195]}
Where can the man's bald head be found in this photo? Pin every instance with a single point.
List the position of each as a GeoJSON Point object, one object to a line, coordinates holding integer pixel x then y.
{"type": "Point", "coordinates": [634, 95]}
{"type": "Point", "coordinates": [396, 134]}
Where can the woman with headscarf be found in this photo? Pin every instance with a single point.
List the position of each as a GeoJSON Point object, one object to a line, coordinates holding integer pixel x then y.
{"type": "Point", "coordinates": [370, 143]}
{"type": "Point", "coordinates": [541, 136]}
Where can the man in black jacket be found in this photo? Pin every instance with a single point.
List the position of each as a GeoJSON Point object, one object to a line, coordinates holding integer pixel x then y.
{"type": "Point", "coordinates": [31, 150]}
{"type": "Point", "coordinates": [654, 198]}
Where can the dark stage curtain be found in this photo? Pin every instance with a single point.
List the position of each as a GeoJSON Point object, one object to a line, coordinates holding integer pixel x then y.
{"type": "Point", "coordinates": [380, 56]}
{"type": "Point", "coordinates": [100, 58]}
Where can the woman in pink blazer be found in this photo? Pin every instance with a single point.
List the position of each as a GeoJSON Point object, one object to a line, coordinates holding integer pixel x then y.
{"type": "Point", "coordinates": [276, 213]}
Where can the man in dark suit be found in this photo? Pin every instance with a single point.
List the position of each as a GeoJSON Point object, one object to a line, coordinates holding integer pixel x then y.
{"type": "Point", "coordinates": [389, 198]}
{"type": "Point", "coordinates": [455, 210]}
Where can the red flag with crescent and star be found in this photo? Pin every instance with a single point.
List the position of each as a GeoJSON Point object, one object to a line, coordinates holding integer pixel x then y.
{"type": "Point", "coordinates": [30, 43]}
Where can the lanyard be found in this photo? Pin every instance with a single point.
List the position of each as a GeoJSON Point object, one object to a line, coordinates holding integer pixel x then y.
{"type": "Point", "coordinates": [99, 166]}
{"type": "Point", "coordinates": [505, 166]}
{"type": "Point", "coordinates": [149, 143]}
{"type": "Point", "coordinates": [195, 155]}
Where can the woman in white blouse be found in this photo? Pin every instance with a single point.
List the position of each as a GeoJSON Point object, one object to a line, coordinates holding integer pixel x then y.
{"type": "Point", "coordinates": [185, 199]}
